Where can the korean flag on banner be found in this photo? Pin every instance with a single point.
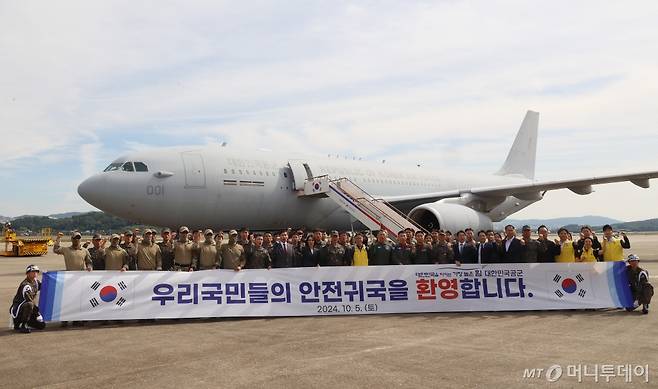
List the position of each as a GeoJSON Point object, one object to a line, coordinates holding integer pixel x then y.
{"type": "Point", "coordinates": [107, 293]}
{"type": "Point", "coordinates": [571, 286]}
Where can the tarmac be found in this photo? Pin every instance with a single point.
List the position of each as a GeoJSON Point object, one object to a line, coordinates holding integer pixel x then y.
{"type": "Point", "coordinates": [470, 350]}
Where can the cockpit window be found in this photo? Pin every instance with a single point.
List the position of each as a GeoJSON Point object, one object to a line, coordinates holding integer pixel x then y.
{"type": "Point", "coordinates": [112, 167]}
{"type": "Point", "coordinates": [127, 167]}
{"type": "Point", "coordinates": [141, 167]}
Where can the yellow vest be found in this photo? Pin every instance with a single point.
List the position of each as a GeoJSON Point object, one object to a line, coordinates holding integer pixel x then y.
{"type": "Point", "coordinates": [360, 256]}
{"type": "Point", "coordinates": [567, 253]}
{"type": "Point", "coordinates": [587, 256]}
{"type": "Point", "coordinates": [613, 250]}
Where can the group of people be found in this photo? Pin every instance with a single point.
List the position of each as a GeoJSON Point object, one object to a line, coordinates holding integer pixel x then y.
{"type": "Point", "coordinates": [187, 250]}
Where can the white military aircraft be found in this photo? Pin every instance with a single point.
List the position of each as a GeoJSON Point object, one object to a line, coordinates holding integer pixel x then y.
{"type": "Point", "coordinates": [222, 187]}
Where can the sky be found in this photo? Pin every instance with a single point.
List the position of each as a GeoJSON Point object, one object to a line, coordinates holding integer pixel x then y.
{"type": "Point", "coordinates": [438, 83]}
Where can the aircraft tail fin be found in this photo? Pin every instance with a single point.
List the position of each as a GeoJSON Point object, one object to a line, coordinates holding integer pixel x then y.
{"type": "Point", "coordinates": [521, 157]}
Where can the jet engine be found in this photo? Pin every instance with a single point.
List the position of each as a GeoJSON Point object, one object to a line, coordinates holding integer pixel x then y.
{"type": "Point", "coordinates": [449, 217]}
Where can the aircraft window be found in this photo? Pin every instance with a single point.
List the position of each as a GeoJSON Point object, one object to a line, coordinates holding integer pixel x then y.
{"type": "Point", "coordinates": [232, 171]}
{"type": "Point", "coordinates": [240, 171]}
{"type": "Point", "coordinates": [267, 174]}
{"type": "Point", "coordinates": [225, 171]}
{"type": "Point", "coordinates": [141, 167]}
{"type": "Point", "coordinates": [261, 172]}
{"type": "Point", "coordinates": [112, 167]}
{"type": "Point", "coordinates": [128, 167]}
{"type": "Point", "coordinates": [285, 174]}
{"type": "Point", "coordinates": [254, 172]}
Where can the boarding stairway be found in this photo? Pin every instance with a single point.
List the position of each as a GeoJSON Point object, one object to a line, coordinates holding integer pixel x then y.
{"type": "Point", "coordinates": [375, 214]}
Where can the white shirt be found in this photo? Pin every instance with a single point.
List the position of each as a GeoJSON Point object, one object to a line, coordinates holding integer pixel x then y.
{"type": "Point", "coordinates": [508, 242]}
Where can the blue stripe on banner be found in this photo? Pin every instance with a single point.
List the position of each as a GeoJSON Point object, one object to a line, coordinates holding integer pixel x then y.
{"type": "Point", "coordinates": [46, 300]}
{"type": "Point", "coordinates": [57, 303]}
{"type": "Point", "coordinates": [621, 284]}
{"type": "Point", "coordinates": [612, 286]}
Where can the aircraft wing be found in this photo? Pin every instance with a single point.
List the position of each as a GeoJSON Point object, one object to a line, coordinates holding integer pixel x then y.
{"type": "Point", "coordinates": [528, 189]}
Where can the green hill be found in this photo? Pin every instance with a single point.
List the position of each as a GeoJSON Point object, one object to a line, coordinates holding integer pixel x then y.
{"type": "Point", "coordinates": [86, 223]}
{"type": "Point", "coordinates": [650, 225]}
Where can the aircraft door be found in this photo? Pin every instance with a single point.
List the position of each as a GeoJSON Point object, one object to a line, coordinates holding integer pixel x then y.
{"type": "Point", "coordinates": [195, 172]}
{"type": "Point", "coordinates": [300, 173]}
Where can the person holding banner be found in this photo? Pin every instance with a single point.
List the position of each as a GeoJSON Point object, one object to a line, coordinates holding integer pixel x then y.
{"type": "Point", "coordinates": [76, 257]}
{"type": "Point", "coordinates": [24, 310]}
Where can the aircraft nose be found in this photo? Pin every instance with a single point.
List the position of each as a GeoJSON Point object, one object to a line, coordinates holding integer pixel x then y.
{"type": "Point", "coordinates": [90, 189]}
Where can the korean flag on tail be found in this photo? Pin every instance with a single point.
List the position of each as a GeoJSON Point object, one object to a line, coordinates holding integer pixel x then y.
{"type": "Point", "coordinates": [571, 286]}
{"type": "Point", "coordinates": [108, 293]}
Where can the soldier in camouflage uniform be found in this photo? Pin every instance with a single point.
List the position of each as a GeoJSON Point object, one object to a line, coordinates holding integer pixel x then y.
{"type": "Point", "coordinates": [259, 257]}
{"type": "Point", "coordinates": [441, 251]}
{"type": "Point", "coordinates": [167, 250]}
{"type": "Point", "coordinates": [130, 246]}
{"type": "Point", "coordinates": [333, 254]}
{"type": "Point", "coordinates": [97, 252]}
{"type": "Point", "coordinates": [402, 253]}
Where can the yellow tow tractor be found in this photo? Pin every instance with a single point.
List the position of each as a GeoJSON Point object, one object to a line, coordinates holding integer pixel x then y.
{"type": "Point", "coordinates": [15, 246]}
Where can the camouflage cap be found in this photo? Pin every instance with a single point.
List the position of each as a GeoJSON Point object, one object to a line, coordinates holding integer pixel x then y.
{"type": "Point", "coordinates": [208, 232]}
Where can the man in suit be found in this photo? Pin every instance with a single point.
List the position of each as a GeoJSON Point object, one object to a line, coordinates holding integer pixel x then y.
{"type": "Point", "coordinates": [283, 253]}
{"type": "Point", "coordinates": [464, 252]}
{"type": "Point", "coordinates": [486, 249]}
{"type": "Point", "coordinates": [511, 249]}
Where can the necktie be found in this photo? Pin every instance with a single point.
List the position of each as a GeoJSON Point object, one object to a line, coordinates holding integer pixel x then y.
{"type": "Point", "coordinates": [461, 248]}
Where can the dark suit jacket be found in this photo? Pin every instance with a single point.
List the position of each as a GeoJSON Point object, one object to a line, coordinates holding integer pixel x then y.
{"type": "Point", "coordinates": [468, 254]}
{"type": "Point", "coordinates": [513, 254]}
{"type": "Point", "coordinates": [489, 252]}
{"type": "Point", "coordinates": [283, 258]}
{"type": "Point", "coordinates": [310, 259]}
{"type": "Point", "coordinates": [552, 251]}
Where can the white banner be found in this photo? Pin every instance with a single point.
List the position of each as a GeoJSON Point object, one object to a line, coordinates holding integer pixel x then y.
{"type": "Point", "coordinates": [113, 295]}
